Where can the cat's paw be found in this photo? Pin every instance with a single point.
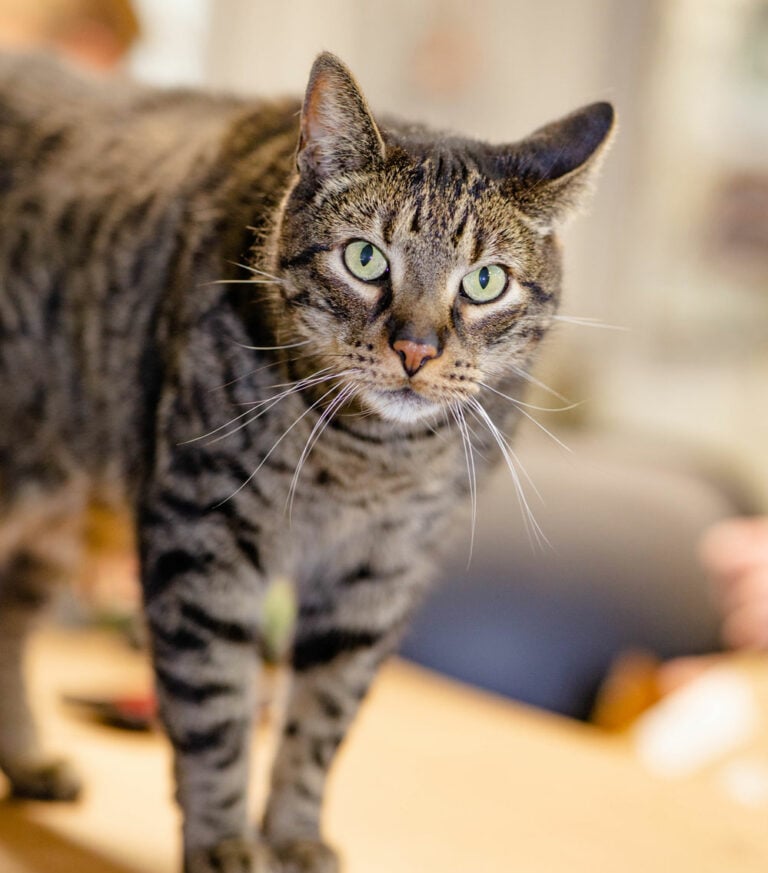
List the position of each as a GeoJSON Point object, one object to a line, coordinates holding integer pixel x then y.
{"type": "Point", "coordinates": [50, 780]}
{"type": "Point", "coordinates": [230, 856]}
{"type": "Point", "coordinates": [302, 856]}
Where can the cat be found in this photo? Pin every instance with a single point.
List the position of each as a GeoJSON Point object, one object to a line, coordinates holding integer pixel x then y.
{"type": "Point", "coordinates": [290, 338]}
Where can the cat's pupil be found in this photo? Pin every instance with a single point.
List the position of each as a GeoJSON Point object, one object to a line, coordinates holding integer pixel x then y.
{"type": "Point", "coordinates": [366, 253]}
{"type": "Point", "coordinates": [483, 277]}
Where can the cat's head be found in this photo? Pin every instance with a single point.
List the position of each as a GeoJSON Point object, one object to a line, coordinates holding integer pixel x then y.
{"type": "Point", "coordinates": [419, 267]}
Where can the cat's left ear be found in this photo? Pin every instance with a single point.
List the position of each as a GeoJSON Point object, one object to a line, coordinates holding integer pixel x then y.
{"type": "Point", "coordinates": [338, 133]}
{"type": "Point", "coordinates": [549, 173]}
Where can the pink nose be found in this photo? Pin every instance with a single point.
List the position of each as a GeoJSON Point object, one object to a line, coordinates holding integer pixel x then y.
{"type": "Point", "coordinates": [413, 354]}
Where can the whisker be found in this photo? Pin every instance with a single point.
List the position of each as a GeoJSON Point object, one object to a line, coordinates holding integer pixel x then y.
{"type": "Point", "coordinates": [240, 282]}
{"type": "Point", "coordinates": [258, 370]}
{"type": "Point", "coordinates": [474, 433]}
{"type": "Point", "coordinates": [317, 431]}
{"type": "Point", "coordinates": [274, 348]}
{"type": "Point", "coordinates": [347, 372]}
{"type": "Point", "coordinates": [274, 403]}
{"type": "Point", "coordinates": [257, 272]}
{"type": "Point", "coordinates": [277, 443]}
{"type": "Point", "coordinates": [528, 415]}
{"type": "Point", "coordinates": [573, 405]}
{"type": "Point", "coordinates": [291, 384]}
{"type": "Point", "coordinates": [524, 374]}
{"type": "Point", "coordinates": [458, 416]}
{"type": "Point", "coordinates": [533, 528]}
{"type": "Point", "coordinates": [268, 402]}
{"type": "Point", "coordinates": [436, 432]}
{"type": "Point", "coordinates": [585, 321]}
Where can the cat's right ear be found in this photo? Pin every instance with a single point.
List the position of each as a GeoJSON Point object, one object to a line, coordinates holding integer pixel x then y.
{"type": "Point", "coordinates": [549, 174]}
{"type": "Point", "coordinates": [338, 133]}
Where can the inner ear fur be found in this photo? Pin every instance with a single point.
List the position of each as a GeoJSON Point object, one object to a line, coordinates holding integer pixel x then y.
{"type": "Point", "coordinates": [549, 173]}
{"type": "Point", "coordinates": [338, 133]}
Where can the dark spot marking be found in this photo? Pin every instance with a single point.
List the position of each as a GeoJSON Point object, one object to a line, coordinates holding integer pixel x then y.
{"type": "Point", "coordinates": [181, 639]}
{"type": "Point", "coordinates": [199, 742]}
{"type": "Point", "coordinates": [329, 705]}
{"type": "Point", "coordinates": [251, 551]}
{"type": "Point", "coordinates": [188, 691]}
{"type": "Point", "coordinates": [457, 234]}
{"type": "Point", "coordinates": [230, 800]}
{"type": "Point", "coordinates": [233, 745]}
{"type": "Point", "coordinates": [416, 219]}
{"type": "Point", "coordinates": [322, 648]}
{"type": "Point", "coordinates": [318, 754]}
{"type": "Point", "coordinates": [323, 477]}
{"type": "Point", "coordinates": [537, 291]}
{"type": "Point", "coordinates": [172, 564]}
{"type": "Point", "coordinates": [306, 792]}
{"type": "Point", "coordinates": [304, 257]}
{"type": "Point", "coordinates": [230, 631]}
{"type": "Point", "coordinates": [179, 561]}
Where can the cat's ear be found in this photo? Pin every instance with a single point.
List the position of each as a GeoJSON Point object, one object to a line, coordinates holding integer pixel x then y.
{"type": "Point", "coordinates": [549, 173]}
{"type": "Point", "coordinates": [338, 133]}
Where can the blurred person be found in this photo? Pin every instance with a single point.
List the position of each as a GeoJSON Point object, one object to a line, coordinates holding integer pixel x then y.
{"type": "Point", "coordinates": [735, 552]}
{"type": "Point", "coordinates": [95, 34]}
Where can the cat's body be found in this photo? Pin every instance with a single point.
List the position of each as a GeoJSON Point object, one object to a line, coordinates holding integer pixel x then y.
{"type": "Point", "coordinates": [127, 372]}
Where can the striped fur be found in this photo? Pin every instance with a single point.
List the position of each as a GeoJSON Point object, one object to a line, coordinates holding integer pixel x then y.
{"type": "Point", "coordinates": [262, 429]}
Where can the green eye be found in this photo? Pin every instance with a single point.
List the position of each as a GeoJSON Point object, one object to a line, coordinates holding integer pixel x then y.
{"type": "Point", "coordinates": [484, 284]}
{"type": "Point", "coordinates": [365, 261]}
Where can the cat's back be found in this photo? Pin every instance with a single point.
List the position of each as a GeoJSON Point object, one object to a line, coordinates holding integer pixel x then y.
{"type": "Point", "coordinates": [54, 119]}
{"type": "Point", "coordinates": [112, 194]}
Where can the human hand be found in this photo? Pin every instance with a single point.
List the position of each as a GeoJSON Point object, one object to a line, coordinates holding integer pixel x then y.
{"type": "Point", "coordinates": [735, 552]}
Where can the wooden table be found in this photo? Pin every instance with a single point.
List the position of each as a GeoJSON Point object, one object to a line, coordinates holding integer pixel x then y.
{"type": "Point", "coordinates": [436, 778]}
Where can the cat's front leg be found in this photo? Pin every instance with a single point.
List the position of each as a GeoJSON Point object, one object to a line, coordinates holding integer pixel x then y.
{"type": "Point", "coordinates": [336, 656]}
{"type": "Point", "coordinates": [202, 593]}
{"type": "Point", "coordinates": [330, 679]}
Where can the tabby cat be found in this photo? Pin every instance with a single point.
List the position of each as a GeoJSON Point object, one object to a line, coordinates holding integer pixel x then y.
{"type": "Point", "coordinates": [319, 421]}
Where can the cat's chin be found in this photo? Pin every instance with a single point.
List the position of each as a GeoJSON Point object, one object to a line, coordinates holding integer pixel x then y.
{"type": "Point", "coordinates": [404, 406]}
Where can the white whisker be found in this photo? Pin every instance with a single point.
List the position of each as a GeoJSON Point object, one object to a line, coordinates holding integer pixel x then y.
{"type": "Point", "coordinates": [257, 370]}
{"type": "Point", "coordinates": [317, 431]}
{"type": "Point", "coordinates": [257, 272]}
{"type": "Point", "coordinates": [240, 282]}
{"type": "Point", "coordinates": [274, 401]}
{"type": "Point", "coordinates": [291, 384]}
{"type": "Point", "coordinates": [274, 348]}
{"type": "Point", "coordinates": [583, 321]}
{"type": "Point", "coordinates": [458, 416]}
{"type": "Point", "coordinates": [527, 414]}
{"type": "Point", "coordinates": [523, 374]}
{"type": "Point", "coordinates": [267, 402]}
{"type": "Point", "coordinates": [533, 528]}
{"type": "Point", "coordinates": [573, 405]}
{"type": "Point", "coordinates": [277, 443]}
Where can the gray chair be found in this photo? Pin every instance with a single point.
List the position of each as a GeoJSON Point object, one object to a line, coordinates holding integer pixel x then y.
{"type": "Point", "coordinates": [543, 624]}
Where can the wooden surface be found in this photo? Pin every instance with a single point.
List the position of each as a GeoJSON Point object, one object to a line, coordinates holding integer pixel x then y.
{"type": "Point", "coordinates": [434, 779]}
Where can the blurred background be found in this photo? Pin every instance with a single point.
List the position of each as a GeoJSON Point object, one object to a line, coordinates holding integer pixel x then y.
{"type": "Point", "coordinates": [667, 275]}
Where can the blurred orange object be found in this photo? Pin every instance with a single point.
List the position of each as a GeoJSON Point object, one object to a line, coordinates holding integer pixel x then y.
{"type": "Point", "coordinates": [95, 34]}
{"type": "Point", "coordinates": [631, 686]}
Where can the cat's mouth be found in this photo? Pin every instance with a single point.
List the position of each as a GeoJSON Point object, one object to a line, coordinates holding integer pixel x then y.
{"type": "Point", "coordinates": [408, 395]}
{"type": "Point", "coordinates": [404, 405]}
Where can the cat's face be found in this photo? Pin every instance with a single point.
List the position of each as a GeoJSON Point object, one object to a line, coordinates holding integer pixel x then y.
{"type": "Point", "coordinates": [420, 270]}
